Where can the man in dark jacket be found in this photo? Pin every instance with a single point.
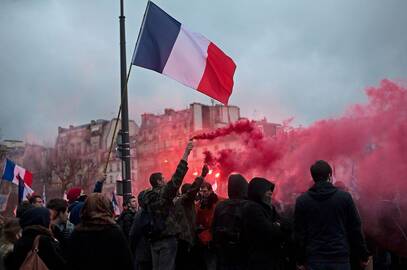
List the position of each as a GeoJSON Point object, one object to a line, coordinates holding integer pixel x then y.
{"type": "Point", "coordinates": [227, 227]}
{"type": "Point", "coordinates": [263, 231]}
{"type": "Point", "coordinates": [125, 219]}
{"type": "Point", "coordinates": [186, 216]}
{"type": "Point", "coordinates": [327, 225]}
{"type": "Point", "coordinates": [60, 225]}
{"type": "Point", "coordinates": [139, 242]}
{"type": "Point", "coordinates": [160, 206]}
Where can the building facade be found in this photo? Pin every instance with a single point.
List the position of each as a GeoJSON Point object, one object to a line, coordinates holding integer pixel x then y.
{"type": "Point", "coordinates": [162, 138]}
{"type": "Point", "coordinates": [85, 150]}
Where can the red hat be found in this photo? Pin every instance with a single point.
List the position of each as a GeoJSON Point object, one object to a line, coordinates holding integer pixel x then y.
{"type": "Point", "coordinates": [73, 194]}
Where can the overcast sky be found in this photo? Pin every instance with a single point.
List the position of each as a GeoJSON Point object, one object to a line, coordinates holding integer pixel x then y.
{"type": "Point", "coordinates": [59, 59]}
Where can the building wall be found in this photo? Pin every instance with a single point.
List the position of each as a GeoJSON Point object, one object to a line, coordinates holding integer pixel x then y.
{"type": "Point", "coordinates": [92, 142]}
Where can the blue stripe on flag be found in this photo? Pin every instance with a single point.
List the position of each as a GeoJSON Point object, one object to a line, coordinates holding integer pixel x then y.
{"type": "Point", "coordinates": [9, 170]}
{"type": "Point", "coordinates": [157, 36]}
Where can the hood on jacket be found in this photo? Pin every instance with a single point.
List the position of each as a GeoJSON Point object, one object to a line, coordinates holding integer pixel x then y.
{"type": "Point", "coordinates": [322, 190]}
{"type": "Point", "coordinates": [140, 199]}
{"type": "Point", "coordinates": [237, 187]}
{"type": "Point", "coordinates": [258, 187]}
{"type": "Point", "coordinates": [35, 216]}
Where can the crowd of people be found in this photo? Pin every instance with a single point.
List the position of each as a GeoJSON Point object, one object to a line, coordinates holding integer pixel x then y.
{"type": "Point", "coordinates": [188, 226]}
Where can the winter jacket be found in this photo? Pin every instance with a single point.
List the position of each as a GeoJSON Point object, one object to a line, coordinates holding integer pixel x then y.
{"type": "Point", "coordinates": [327, 225]}
{"type": "Point", "coordinates": [204, 218]}
{"type": "Point", "coordinates": [62, 232]}
{"type": "Point", "coordinates": [75, 208]}
{"type": "Point", "coordinates": [232, 252]}
{"type": "Point", "coordinates": [125, 220]}
{"type": "Point", "coordinates": [139, 242]}
{"type": "Point", "coordinates": [48, 247]}
{"type": "Point", "coordinates": [185, 212]}
{"type": "Point", "coordinates": [99, 247]}
{"type": "Point", "coordinates": [160, 203]}
{"type": "Point", "coordinates": [263, 233]}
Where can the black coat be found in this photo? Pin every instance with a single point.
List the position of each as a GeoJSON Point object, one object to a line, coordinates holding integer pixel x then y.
{"type": "Point", "coordinates": [263, 233]}
{"type": "Point", "coordinates": [99, 247]}
{"type": "Point", "coordinates": [228, 222]}
{"type": "Point", "coordinates": [328, 226]}
{"type": "Point", "coordinates": [139, 243]}
{"type": "Point", "coordinates": [48, 247]}
{"type": "Point", "coordinates": [125, 221]}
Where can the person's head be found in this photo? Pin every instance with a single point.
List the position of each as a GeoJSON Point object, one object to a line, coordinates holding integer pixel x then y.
{"type": "Point", "coordinates": [11, 230]}
{"type": "Point", "coordinates": [156, 179]}
{"type": "Point", "coordinates": [97, 210]}
{"type": "Point", "coordinates": [260, 190]}
{"type": "Point", "coordinates": [206, 190]}
{"type": "Point", "coordinates": [237, 187]}
{"type": "Point", "coordinates": [58, 208]}
{"type": "Point", "coordinates": [185, 187]}
{"type": "Point", "coordinates": [22, 208]}
{"type": "Point", "coordinates": [321, 171]}
{"type": "Point", "coordinates": [39, 216]}
{"type": "Point", "coordinates": [131, 203]}
{"type": "Point", "coordinates": [36, 201]}
{"type": "Point", "coordinates": [74, 194]}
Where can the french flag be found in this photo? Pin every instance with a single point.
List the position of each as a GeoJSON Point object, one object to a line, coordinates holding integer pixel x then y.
{"type": "Point", "coordinates": [12, 170]}
{"type": "Point", "coordinates": [167, 47]}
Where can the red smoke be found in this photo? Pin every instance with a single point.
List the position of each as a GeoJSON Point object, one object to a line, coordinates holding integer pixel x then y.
{"type": "Point", "coordinates": [367, 146]}
{"type": "Point", "coordinates": [240, 127]}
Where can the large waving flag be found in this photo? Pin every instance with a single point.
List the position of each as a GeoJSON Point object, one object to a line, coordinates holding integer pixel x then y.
{"type": "Point", "coordinates": [167, 47]}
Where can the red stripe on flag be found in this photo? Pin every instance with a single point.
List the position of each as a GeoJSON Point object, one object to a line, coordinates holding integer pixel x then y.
{"type": "Point", "coordinates": [28, 178]}
{"type": "Point", "coordinates": [217, 80]}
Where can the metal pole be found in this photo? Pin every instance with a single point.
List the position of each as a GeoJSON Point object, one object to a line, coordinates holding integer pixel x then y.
{"type": "Point", "coordinates": [126, 166]}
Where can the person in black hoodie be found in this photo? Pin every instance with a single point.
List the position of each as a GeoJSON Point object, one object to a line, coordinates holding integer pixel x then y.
{"type": "Point", "coordinates": [327, 225]}
{"type": "Point", "coordinates": [138, 237]}
{"type": "Point", "coordinates": [35, 222]}
{"type": "Point", "coordinates": [227, 226]}
{"type": "Point", "coordinates": [97, 242]}
{"type": "Point", "coordinates": [262, 229]}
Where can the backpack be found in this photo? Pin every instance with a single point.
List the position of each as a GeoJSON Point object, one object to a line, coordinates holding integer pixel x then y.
{"type": "Point", "coordinates": [228, 228]}
{"type": "Point", "coordinates": [155, 214]}
{"type": "Point", "coordinates": [33, 260]}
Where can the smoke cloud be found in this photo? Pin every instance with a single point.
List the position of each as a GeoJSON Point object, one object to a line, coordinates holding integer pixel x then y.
{"type": "Point", "coordinates": [366, 146]}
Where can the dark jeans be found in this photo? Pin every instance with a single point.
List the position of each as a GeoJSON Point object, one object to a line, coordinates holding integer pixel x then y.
{"type": "Point", "coordinates": [327, 266]}
{"type": "Point", "coordinates": [163, 253]}
{"type": "Point", "coordinates": [184, 260]}
{"type": "Point", "coordinates": [144, 266]}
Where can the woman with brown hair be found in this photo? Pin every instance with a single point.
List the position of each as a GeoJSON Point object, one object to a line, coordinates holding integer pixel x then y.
{"type": "Point", "coordinates": [98, 242]}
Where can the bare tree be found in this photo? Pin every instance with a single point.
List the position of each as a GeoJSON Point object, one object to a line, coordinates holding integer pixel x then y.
{"type": "Point", "coordinates": [72, 169]}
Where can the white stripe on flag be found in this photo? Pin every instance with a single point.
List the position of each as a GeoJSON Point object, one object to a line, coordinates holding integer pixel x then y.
{"type": "Point", "coordinates": [18, 171]}
{"type": "Point", "coordinates": [187, 60]}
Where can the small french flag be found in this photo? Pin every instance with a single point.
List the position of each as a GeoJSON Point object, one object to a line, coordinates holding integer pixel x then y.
{"type": "Point", "coordinates": [167, 47]}
{"type": "Point", "coordinates": [18, 176]}
{"type": "Point", "coordinates": [12, 170]}
{"type": "Point", "coordinates": [115, 205]}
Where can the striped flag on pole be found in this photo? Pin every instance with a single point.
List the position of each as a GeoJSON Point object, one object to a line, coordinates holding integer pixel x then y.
{"type": "Point", "coordinates": [168, 47]}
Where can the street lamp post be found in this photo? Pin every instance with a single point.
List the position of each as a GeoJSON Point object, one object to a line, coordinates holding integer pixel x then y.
{"type": "Point", "coordinates": [124, 133]}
